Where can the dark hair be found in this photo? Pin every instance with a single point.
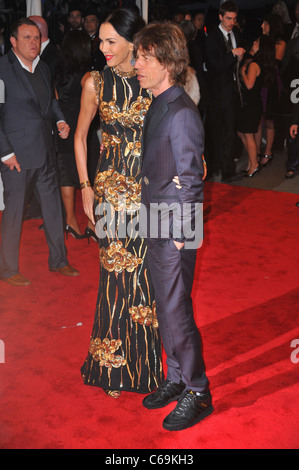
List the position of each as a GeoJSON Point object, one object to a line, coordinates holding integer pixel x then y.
{"type": "Point", "coordinates": [74, 55]}
{"type": "Point", "coordinates": [126, 22]}
{"type": "Point", "coordinates": [199, 12]}
{"type": "Point", "coordinates": [90, 12]}
{"type": "Point", "coordinates": [189, 29]}
{"type": "Point", "coordinates": [265, 57]}
{"type": "Point", "coordinates": [276, 26]}
{"type": "Point", "coordinates": [20, 22]}
{"type": "Point", "coordinates": [228, 6]}
{"type": "Point", "coordinates": [166, 41]}
{"type": "Point", "coordinates": [75, 6]}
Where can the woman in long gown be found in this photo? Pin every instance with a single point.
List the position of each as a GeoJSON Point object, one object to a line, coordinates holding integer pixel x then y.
{"type": "Point", "coordinates": [74, 62]}
{"type": "Point", "coordinates": [125, 347]}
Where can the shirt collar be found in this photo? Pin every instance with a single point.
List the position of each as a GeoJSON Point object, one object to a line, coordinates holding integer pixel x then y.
{"type": "Point", "coordinates": [224, 31]}
{"type": "Point", "coordinates": [43, 46]}
{"type": "Point", "coordinates": [34, 63]}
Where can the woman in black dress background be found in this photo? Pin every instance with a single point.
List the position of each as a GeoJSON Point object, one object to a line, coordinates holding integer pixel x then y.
{"type": "Point", "coordinates": [258, 71]}
{"type": "Point", "coordinates": [71, 72]}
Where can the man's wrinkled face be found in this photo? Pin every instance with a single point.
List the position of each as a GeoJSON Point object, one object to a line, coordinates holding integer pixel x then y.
{"type": "Point", "coordinates": [152, 75]}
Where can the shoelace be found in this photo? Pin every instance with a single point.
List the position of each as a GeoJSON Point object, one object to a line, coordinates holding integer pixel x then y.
{"type": "Point", "coordinates": [185, 401]}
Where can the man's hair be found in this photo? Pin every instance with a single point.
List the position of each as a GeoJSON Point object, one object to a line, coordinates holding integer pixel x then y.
{"type": "Point", "coordinates": [17, 23]}
{"type": "Point", "coordinates": [228, 7]}
{"type": "Point", "coordinates": [167, 43]}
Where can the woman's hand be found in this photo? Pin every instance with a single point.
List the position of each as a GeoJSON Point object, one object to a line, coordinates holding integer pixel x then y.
{"type": "Point", "coordinates": [88, 202]}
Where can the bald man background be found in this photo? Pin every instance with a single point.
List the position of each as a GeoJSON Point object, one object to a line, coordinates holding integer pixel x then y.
{"type": "Point", "coordinates": [48, 51]}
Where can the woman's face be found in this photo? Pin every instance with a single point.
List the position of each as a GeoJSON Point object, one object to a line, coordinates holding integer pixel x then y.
{"type": "Point", "coordinates": [266, 28]}
{"type": "Point", "coordinates": [199, 20]}
{"type": "Point", "coordinates": [116, 49]}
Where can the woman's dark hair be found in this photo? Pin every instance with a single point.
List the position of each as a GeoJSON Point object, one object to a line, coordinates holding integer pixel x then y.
{"type": "Point", "coordinates": [126, 22]}
{"type": "Point", "coordinates": [265, 57]}
{"type": "Point", "coordinates": [166, 42]}
{"type": "Point", "coordinates": [188, 29]}
{"type": "Point", "coordinates": [276, 26]}
{"type": "Point", "coordinates": [74, 55]}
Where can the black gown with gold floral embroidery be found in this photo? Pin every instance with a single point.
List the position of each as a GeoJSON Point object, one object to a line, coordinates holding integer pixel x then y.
{"type": "Point", "coordinates": [125, 347]}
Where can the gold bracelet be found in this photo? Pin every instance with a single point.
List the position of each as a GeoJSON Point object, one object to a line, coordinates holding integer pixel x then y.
{"type": "Point", "coordinates": [85, 184]}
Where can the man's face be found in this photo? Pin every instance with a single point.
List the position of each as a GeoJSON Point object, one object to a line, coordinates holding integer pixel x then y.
{"type": "Point", "coordinates": [75, 19]}
{"type": "Point", "coordinates": [228, 20]}
{"type": "Point", "coordinates": [91, 24]}
{"type": "Point", "coordinates": [151, 74]}
{"type": "Point", "coordinates": [27, 44]}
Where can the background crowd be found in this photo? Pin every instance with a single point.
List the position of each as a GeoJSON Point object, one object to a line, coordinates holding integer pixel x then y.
{"type": "Point", "coordinates": [271, 115]}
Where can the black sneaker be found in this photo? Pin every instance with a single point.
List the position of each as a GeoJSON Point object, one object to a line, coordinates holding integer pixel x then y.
{"type": "Point", "coordinates": [165, 394]}
{"type": "Point", "coordinates": [191, 408]}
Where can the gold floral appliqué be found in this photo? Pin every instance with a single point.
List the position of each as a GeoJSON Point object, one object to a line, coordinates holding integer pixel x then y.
{"type": "Point", "coordinates": [145, 315]}
{"type": "Point", "coordinates": [103, 352]}
{"type": "Point", "coordinates": [116, 258]}
{"type": "Point", "coordinates": [123, 192]}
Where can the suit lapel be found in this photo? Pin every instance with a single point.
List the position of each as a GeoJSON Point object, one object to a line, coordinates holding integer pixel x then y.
{"type": "Point", "coordinates": [223, 40]}
{"type": "Point", "coordinates": [48, 87]}
{"type": "Point", "coordinates": [155, 116]}
{"type": "Point", "coordinates": [152, 121]}
{"type": "Point", "coordinates": [22, 77]}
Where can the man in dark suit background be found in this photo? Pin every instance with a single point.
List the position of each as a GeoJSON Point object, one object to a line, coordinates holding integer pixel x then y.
{"type": "Point", "coordinates": [223, 54]}
{"type": "Point", "coordinates": [295, 30]}
{"type": "Point", "coordinates": [91, 25]}
{"type": "Point", "coordinates": [27, 112]}
{"type": "Point", "coordinates": [48, 54]}
{"type": "Point", "coordinates": [173, 140]}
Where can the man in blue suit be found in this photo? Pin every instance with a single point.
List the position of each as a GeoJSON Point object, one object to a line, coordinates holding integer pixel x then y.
{"type": "Point", "coordinates": [28, 110]}
{"type": "Point", "coordinates": [173, 140]}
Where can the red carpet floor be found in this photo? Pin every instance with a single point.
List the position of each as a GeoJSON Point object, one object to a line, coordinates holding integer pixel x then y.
{"type": "Point", "coordinates": [246, 295]}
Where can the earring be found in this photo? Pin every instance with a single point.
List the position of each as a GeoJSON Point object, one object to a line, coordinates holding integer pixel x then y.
{"type": "Point", "coordinates": [132, 61]}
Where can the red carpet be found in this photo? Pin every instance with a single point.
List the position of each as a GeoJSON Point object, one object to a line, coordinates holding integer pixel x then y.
{"type": "Point", "coordinates": [246, 294]}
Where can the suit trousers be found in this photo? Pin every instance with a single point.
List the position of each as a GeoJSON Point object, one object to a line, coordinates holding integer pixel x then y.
{"type": "Point", "coordinates": [222, 136]}
{"type": "Point", "coordinates": [172, 272]}
{"type": "Point", "coordinates": [18, 188]}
